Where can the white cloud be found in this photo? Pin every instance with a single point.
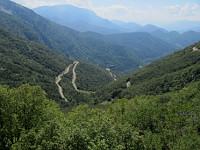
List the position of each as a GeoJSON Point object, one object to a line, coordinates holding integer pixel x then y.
{"type": "Point", "coordinates": [166, 14]}
{"type": "Point", "coordinates": [119, 12]}
{"type": "Point", "coordinates": [189, 11]}
{"type": "Point", "coordinates": [149, 7]}
{"type": "Point", "coordinates": [37, 3]}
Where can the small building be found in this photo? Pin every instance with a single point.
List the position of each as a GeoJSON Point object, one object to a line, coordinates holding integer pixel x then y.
{"type": "Point", "coordinates": [195, 49]}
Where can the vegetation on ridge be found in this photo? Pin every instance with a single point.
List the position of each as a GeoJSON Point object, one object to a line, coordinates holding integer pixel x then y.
{"type": "Point", "coordinates": [166, 75]}
{"type": "Point", "coordinates": [169, 121]}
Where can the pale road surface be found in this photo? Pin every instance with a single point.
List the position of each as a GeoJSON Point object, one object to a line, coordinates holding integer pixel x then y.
{"type": "Point", "coordinates": [112, 75]}
{"type": "Point", "coordinates": [58, 79]}
{"type": "Point", "coordinates": [74, 75]}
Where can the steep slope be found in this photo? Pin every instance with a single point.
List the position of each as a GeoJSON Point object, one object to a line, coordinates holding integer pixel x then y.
{"type": "Point", "coordinates": [23, 61]}
{"type": "Point", "coordinates": [167, 75]}
{"type": "Point", "coordinates": [180, 40]}
{"type": "Point", "coordinates": [82, 81]}
{"type": "Point", "coordinates": [77, 18]}
{"type": "Point", "coordinates": [70, 43]}
{"type": "Point", "coordinates": [143, 43]}
{"type": "Point", "coordinates": [90, 77]}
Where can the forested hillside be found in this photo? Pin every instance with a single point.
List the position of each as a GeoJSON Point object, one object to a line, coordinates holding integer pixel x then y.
{"type": "Point", "coordinates": [65, 41]}
{"type": "Point", "coordinates": [73, 44]}
{"type": "Point", "coordinates": [180, 40]}
{"type": "Point", "coordinates": [156, 107]}
{"type": "Point", "coordinates": [23, 61]}
{"type": "Point", "coordinates": [145, 45]}
{"type": "Point", "coordinates": [90, 77]}
{"type": "Point", "coordinates": [166, 75]}
{"type": "Point", "coordinates": [169, 121]}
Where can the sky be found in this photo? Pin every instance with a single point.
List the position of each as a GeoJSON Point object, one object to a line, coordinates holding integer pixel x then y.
{"type": "Point", "coordinates": [139, 11]}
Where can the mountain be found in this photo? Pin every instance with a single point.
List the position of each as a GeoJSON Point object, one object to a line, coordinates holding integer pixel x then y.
{"type": "Point", "coordinates": [180, 40]}
{"type": "Point", "coordinates": [134, 27]}
{"type": "Point", "coordinates": [166, 75]}
{"type": "Point", "coordinates": [86, 20]}
{"type": "Point", "coordinates": [77, 18]}
{"type": "Point", "coordinates": [127, 27]}
{"type": "Point", "coordinates": [150, 28]}
{"type": "Point", "coordinates": [68, 42]}
{"type": "Point", "coordinates": [145, 45]}
{"type": "Point", "coordinates": [183, 26]}
{"type": "Point", "coordinates": [65, 41]}
{"type": "Point", "coordinates": [23, 61]}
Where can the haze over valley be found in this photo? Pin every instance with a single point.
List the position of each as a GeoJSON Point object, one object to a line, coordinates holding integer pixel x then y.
{"type": "Point", "coordinates": [99, 74]}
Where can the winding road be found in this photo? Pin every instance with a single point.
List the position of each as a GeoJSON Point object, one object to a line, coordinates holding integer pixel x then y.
{"type": "Point", "coordinates": [74, 76]}
{"type": "Point", "coordinates": [58, 79]}
{"type": "Point", "coordinates": [112, 75]}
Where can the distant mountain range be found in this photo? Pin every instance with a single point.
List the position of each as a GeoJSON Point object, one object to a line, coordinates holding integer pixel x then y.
{"type": "Point", "coordinates": [170, 74]}
{"type": "Point", "coordinates": [180, 40]}
{"type": "Point", "coordinates": [183, 26]}
{"type": "Point", "coordinates": [90, 47]}
{"type": "Point", "coordinates": [77, 18]}
{"type": "Point", "coordinates": [86, 20]}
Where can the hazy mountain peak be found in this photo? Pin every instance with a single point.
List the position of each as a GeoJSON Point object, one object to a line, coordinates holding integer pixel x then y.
{"type": "Point", "coordinates": [77, 18]}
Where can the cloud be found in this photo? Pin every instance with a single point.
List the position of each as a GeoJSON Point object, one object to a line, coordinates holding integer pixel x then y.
{"type": "Point", "coordinates": [149, 7]}
{"type": "Point", "coordinates": [37, 3]}
{"type": "Point", "coordinates": [189, 11]}
{"type": "Point", "coordinates": [119, 12]}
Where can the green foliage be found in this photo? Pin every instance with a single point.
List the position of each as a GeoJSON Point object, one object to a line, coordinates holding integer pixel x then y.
{"type": "Point", "coordinates": [112, 51]}
{"type": "Point", "coordinates": [24, 61]}
{"type": "Point", "coordinates": [166, 75]}
{"type": "Point", "coordinates": [28, 119]}
{"type": "Point", "coordinates": [170, 121]}
{"type": "Point", "coordinates": [65, 41]}
{"type": "Point", "coordinates": [145, 45]}
{"type": "Point", "coordinates": [179, 40]}
{"type": "Point", "coordinates": [91, 77]}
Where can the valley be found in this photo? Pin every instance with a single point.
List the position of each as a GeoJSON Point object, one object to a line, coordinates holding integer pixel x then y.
{"type": "Point", "coordinates": [89, 83]}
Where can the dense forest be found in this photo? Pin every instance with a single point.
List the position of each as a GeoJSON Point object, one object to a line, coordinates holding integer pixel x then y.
{"type": "Point", "coordinates": [90, 77]}
{"type": "Point", "coordinates": [169, 121]}
{"type": "Point", "coordinates": [65, 41]}
{"type": "Point", "coordinates": [169, 74]}
{"type": "Point", "coordinates": [89, 47]}
{"type": "Point", "coordinates": [156, 107]}
{"type": "Point", "coordinates": [23, 61]}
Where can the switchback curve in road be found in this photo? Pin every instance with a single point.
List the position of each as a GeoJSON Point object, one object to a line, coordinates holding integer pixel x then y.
{"type": "Point", "coordinates": [74, 76]}
{"type": "Point", "coordinates": [58, 79]}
